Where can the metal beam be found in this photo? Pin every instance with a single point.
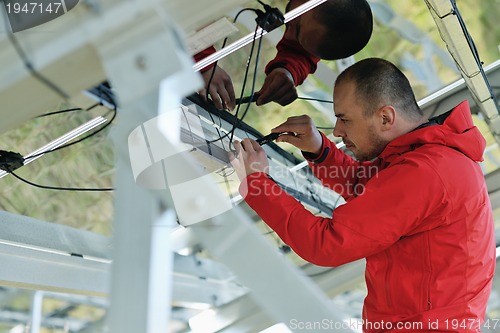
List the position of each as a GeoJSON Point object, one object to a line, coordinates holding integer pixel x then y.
{"type": "Point", "coordinates": [41, 255]}
{"type": "Point", "coordinates": [451, 95]}
{"type": "Point", "coordinates": [143, 219]}
{"type": "Point", "coordinates": [244, 315]}
{"type": "Point", "coordinates": [37, 255]}
{"type": "Point", "coordinates": [63, 50]}
{"type": "Point", "coordinates": [258, 33]}
{"type": "Point", "coordinates": [277, 286]}
{"type": "Point", "coordinates": [454, 33]}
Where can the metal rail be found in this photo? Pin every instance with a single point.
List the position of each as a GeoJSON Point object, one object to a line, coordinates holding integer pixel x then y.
{"type": "Point", "coordinates": [250, 37]}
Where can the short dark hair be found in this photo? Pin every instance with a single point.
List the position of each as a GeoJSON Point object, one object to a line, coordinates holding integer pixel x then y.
{"type": "Point", "coordinates": [378, 82]}
{"type": "Point", "coordinates": [349, 25]}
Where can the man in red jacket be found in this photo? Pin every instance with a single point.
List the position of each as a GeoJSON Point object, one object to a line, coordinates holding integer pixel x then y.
{"type": "Point", "coordinates": [333, 30]}
{"type": "Point", "coordinates": [417, 206]}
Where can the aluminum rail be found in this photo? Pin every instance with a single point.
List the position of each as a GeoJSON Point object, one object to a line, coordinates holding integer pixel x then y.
{"type": "Point", "coordinates": [61, 141]}
{"type": "Point", "coordinates": [250, 37]}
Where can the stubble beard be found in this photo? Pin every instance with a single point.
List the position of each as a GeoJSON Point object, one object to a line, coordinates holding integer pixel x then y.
{"type": "Point", "coordinates": [378, 145]}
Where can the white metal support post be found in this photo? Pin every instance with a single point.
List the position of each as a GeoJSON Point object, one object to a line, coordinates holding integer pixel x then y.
{"type": "Point", "coordinates": [278, 287]}
{"type": "Point", "coordinates": [136, 211]}
{"type": "Point", "coordinates": [36, 311]}
{"type": "Point", "coordinates": [448, 22]}
{"type": "Point", "coordinates": [136, 60]}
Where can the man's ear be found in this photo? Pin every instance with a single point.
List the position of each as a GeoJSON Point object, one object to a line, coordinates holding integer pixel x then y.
{"type": "Point", "coordinates": [387, 116]}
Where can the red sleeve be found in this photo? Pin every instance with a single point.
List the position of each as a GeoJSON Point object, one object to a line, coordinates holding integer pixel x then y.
{"type": "Point", "coordinates": [292, 56]}
{"type": "Point", "coordinates": [338, 171]}
{"type": "Point", "coordinates": [202, 55]}
{"type": "Point", "coordinates": [364, 226]}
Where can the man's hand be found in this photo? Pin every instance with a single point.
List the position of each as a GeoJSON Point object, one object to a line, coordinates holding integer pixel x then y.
{"type": "Point", "coordinates": [250, 158]}
{"type": "Point", "coordinates": [306, 138]}
{"type": "Point", "coordinates": [221, 89]}
{"type": "Point", "coordinates": [278, 87]}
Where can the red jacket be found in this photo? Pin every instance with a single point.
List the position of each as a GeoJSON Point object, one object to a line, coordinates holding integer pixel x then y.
{"type": "Point", "coordinates": [291, 55]}
{"type": "Point", "coordinates": [419, 214]}
{"type": "Point", "coordinates": [202, 55]}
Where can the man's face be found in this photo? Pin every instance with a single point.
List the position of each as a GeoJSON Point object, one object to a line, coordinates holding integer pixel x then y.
{"type": "Point", "coordinates": [360, 134]}
{"type": "Point", "coordinates": [305, 29]}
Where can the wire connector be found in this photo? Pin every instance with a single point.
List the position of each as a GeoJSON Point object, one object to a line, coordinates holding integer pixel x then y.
{"type": "Point", "coordinates": [271, 19]}
{"type": "Point", "coordinates": [10, 161]}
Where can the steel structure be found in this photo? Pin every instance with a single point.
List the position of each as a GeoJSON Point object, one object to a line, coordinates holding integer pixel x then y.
{"type": "Point", "coordinates": [127, 43]}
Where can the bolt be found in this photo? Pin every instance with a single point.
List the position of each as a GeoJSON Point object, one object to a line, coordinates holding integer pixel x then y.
{"type": "Point", "coordinates": [141, 62]}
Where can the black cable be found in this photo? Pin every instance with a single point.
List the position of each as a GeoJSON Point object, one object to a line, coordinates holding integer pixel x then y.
{"type": "Point", "coordinates": [215, 67]}
{"type": "Point", "coordinates": [253, 82]}
{"type": "Point", "coordinates": [315, 99]}
{"type": "Point", "coordinates": [325, 128]}
{"type": "Point", "coordinates": [68, 110]}
{"type": "Point", "coordinates": [271, 19]}
{"type": "Point", "coordinates": [236, 120]}
{"type": "Point", "coordinates": [105, 94]}
{"type": "Point", "coordinates": [223, 45]}
{"type": "Point", "coordinates": [329, 270]}
{"type": "Point", "coordinates": [242, 92]}
{"type": "Point", "coordinates": [86, 136]}
{"type": "Point", "coordinates": [58, 112]}
{"type": "Point", "coordinates": [228, 117]}
{"type": "Point", "coordinates": [250, 99]}
{"type": "Point", "coordinates": [475, 53]}
{"type": "Point", "coordinates": [470, 42]}
{"type": "Point", "coordinates": [434, 110]}
{"type": "Point", "coordinates": [79, 140]}
{"type": "Point", "coordinates": [243, 10]}
{"type": "Point", "coordinates": [307, 264]}
{"type": "Point", "coordinates": [27, 63]}
{"type": "Point", "coordinates": [76, 189]}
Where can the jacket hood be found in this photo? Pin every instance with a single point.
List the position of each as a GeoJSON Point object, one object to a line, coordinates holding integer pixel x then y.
{"type": "Point", "coordinates": [457, 131]}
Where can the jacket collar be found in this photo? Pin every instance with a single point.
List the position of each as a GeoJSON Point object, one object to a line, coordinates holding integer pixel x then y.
{"type": "Point", "coordinates": [453, 129]}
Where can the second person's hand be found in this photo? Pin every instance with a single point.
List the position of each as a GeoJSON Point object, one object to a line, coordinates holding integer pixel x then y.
{"type": "Point", "coordinates": [221, 88]}
{"type": "Point", "coordinates": [306, 136]}
{"type": "Point", "coordinates": [278, 87]}
{"type": "Point", "coordinates": [250, 158]}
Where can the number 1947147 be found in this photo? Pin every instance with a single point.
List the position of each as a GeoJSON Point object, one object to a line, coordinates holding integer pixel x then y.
{"type": "Point", "coordinates": [33, 7]}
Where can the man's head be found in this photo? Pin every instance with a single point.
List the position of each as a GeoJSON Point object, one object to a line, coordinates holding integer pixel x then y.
{"type": "Point", "coordinates": [374, 104]}
{"type": "Point", "coordinates": [333, 30]}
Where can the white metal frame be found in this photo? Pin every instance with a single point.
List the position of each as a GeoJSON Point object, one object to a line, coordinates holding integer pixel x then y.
{"type": "Point", "coordinates": [449, 27]}
{"type": "Point", "coordinates": [136, 38]}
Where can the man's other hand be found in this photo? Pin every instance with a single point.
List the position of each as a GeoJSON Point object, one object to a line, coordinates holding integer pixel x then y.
{"type": "Point", "coordinates": [250, 158]}
{"type": "Point", "coordinates": [221, 89]}
{"type": "Point", "coordinates": [278, 87]}
{"type": "Point", "coordinates": [303, 134]}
